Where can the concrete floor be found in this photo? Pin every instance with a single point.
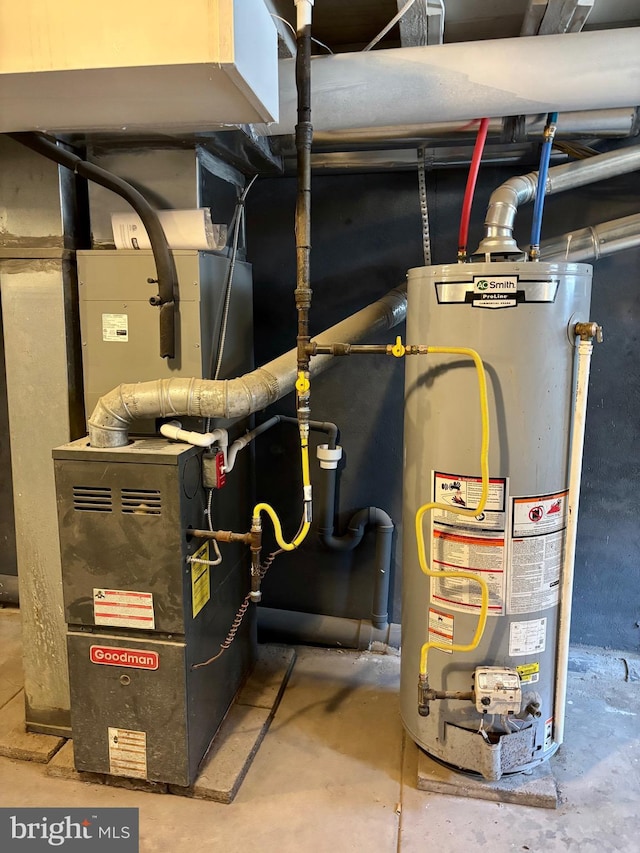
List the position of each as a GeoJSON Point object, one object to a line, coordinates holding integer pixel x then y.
{"type": "Point", "coordinates": [335, 774]}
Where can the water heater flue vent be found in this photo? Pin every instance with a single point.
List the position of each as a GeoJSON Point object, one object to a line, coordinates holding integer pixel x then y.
{"type": "Point", "coordinates": [92, 499]}
{"type": "Point", "coordinates": [141, 501]}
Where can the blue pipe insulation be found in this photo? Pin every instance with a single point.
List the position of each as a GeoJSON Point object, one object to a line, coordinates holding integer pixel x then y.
{"type": "Point", "coordinates": [545, 157]}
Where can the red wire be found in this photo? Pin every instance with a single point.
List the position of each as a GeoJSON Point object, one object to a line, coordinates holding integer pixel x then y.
{"type": "Point", "coordinates": [471, 186]}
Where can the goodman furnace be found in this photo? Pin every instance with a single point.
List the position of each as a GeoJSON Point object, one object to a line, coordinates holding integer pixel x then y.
{"type": "Point", "coordinates": [140, 614]}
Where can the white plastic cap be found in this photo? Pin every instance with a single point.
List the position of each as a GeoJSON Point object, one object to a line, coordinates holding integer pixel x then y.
{"type": "Point", "coordinates": [328, 458]}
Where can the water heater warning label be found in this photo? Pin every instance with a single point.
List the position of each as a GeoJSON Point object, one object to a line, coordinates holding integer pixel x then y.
{"type": "Point", "coordinates": [527, 638]}
{"type": "Point", "coordinates": [473, 544]}
{"type": "Point", "coordinates": [441, 629]}
{"type": "Point", "coordinates": [461, 492]}
{"type": "Point", "coordinates": [534, 516]}
{"type": "Point", "coordinates": [537, 547]}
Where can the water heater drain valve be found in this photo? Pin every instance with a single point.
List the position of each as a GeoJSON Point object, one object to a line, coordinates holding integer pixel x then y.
{"type": "Point", "coordinates": [497, 690]}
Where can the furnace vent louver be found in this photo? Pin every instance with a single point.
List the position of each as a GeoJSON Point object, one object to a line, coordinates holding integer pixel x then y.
{"type": "Point", "coordinates": [92, 499]}
{"type": "Point", "coordinates": [141, 501]}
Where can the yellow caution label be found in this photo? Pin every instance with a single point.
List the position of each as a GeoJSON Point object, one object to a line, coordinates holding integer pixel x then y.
{"type": "Point", "coordinates": [200, 583]}
{"type": "Point", "coordinates": [529, 672]}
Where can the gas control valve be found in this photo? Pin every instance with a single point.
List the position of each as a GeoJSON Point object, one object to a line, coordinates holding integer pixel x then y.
{"type": "Point", "coordinates": [497, 690]}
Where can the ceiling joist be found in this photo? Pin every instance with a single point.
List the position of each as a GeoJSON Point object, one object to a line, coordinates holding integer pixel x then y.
{"type": "Point", "coordinates": [549, 17]}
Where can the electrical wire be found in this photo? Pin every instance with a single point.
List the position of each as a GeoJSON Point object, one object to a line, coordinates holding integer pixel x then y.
{"type": "Point", "coordinates": [474, 168]}
{"type": "Point", "coordinates": [210, 525]}
{"type": "Point", "coordinates": [292, 28]}
{"type": "Point", "coordinates": [538, 208]}
{"type": "Point", "coordinates": [390, 25]}
{"type": "Point", "coordinates": [239, 218]}
{"type": "Point", "coordinates": [574, 149]}
{"type": "Point", "coordinates": [469, 513]}
{"type": "Point", "coordinates": [237, 620]}
{"type": "Point", "coordinates": [322, 44]}
{"type": "Point", "coordinates": [235, 627]}
{"type": "Point", "coordinates": [236, 224]}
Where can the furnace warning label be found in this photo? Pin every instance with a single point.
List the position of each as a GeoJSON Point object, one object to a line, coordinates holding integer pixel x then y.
{"type": "Point", "coordinates": [527, 638]}
{"type": "Point", "coordinates": [200, 581]}
{"type": "Point", "coordinates": [464, 493]}
{"type": "Point", "coordinates": [115, 327]}
{"type": "Point", "coordinates": [123, 608]}
{"type": "Point", "coordinates": [127, 753]}
{"type": "Point", "coordinates": [441, 629]}
{"type": "Point", "coordinates": [468, 544]}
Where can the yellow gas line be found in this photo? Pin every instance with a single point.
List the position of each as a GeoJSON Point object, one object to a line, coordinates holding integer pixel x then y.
{"type": "Point", "coordinates": [469, 513]}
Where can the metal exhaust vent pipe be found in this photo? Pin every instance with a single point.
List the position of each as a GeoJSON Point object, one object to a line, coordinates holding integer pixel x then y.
{"type": "Point", "coordinates": [231, 398]}
{"type": "Point", "coordinates": [504, 202]}
{"type": "Point", "coordinates": [595, 241]}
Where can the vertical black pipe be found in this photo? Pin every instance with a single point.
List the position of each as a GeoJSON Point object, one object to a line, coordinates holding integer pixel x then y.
{"type": "Point", "coordinates": [304, 136]}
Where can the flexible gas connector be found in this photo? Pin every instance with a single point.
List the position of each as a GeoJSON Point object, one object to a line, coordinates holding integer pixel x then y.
{"type": "Point", "coordinates": [470, 513]}
{"type": "Point", "coordinates": [277, 527]}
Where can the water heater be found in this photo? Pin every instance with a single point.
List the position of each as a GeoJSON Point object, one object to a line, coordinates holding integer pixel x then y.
{"type": "Point", "coordinates": [520, 318]}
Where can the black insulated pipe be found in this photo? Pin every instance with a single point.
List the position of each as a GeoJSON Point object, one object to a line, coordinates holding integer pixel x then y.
{"type": "Point", "coordinates": [162, 255]}
{"type": "Point", "coordinates": [304, 136]}
{"type": "Point", "coordinates": [363, 518]}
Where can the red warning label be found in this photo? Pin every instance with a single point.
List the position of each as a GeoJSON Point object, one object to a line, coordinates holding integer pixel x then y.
{"type": "Point", "coordinates": [441, 629]}
{"type": "Point", "coordinates": [537, 515]}
{"type": "Point", "coordinates": [123, 608]}
{"type": "Point", "coordinates": [133, 658]}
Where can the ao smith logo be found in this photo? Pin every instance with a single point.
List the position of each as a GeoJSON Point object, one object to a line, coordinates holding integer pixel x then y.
{"type": "Point", "coordinates": [484, 284]}
{"type": "Point", "coordinates": [133, 658]}
{"type": "Point", "coordinates": [56, 833]}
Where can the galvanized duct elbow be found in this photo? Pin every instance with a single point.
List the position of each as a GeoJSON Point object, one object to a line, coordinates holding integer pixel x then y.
{"type": "Point", "coordinates": [231, 398]}
{"type": "Point", "coordinates": [501, 214]}
{"type": "Point", "coordinates": [504, 201]}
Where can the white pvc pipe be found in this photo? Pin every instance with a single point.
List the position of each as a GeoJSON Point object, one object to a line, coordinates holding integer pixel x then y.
{"type": "Point", "coordinates": [585, 348]}
{"type": "Point", "coordinates": [304, 12]}
{"type": "Point", "coordinates": [461, 81]}
{"type": "Point", "coordinates": [174, 431]}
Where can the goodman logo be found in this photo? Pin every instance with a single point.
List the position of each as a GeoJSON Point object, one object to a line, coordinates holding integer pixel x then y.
{"type": "Point", "coordinates": [33, 830]}
{"type": "Point", "coordinates": [133, 658]}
